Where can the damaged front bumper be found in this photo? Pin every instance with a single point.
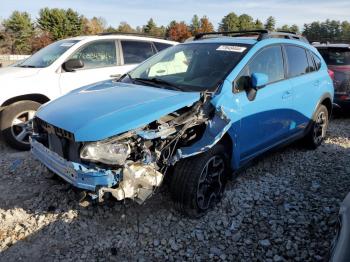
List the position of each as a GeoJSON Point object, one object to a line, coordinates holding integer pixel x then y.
{"type": "Point", "coordinates": [74, 173]}
{"type": "Point", "coordinates": [134, 181]}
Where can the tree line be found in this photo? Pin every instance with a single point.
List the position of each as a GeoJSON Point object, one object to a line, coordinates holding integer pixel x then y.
{"type": "Point", "coordinates": [20, 34]}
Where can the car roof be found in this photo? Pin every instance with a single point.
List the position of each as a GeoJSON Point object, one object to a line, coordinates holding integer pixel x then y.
{"type": "Point", "coordinates": [123, 37]}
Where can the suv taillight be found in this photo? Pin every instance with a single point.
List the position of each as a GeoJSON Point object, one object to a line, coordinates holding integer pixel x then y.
{"type": "Point", "coordinates": [331, 74]}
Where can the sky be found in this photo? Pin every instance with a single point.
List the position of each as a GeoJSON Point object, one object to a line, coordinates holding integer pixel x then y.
{"type": "Point", "coordinates": [138, 12]}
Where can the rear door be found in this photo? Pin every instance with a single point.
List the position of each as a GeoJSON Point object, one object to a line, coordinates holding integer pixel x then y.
{"type": "Point", "coordinates": [101, 62]}
{"type": "Point", "coordinates": [267, 119]}
{"type": "Point", "coordinates": [305, 80]}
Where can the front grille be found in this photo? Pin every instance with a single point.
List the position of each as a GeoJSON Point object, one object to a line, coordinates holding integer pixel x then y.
{"type": "Point", "coordinates": [51, 129]}
{"type": "Point", "coordinates": [58, 140]}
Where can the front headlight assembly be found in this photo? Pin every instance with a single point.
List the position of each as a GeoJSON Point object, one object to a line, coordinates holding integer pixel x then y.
{"type": "Point", "coordinates": [108, 152]}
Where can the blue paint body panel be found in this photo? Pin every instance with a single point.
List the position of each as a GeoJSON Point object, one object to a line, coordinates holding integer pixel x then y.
{"type": "Point", "coordinates": [74, 173]}
{"type": "Point", "coordinates": [109, 108]}
{"type": "Point", "coordinates": [280, 112]}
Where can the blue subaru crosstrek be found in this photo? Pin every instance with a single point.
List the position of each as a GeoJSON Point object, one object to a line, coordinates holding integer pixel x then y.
{"type": "Point", "coordinates": [191, 115]}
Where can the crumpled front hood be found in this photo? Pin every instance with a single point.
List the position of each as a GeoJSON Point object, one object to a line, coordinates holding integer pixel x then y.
{"type": "Point", "coordinates": [12, 72]}
{"type": "Point", "coordinates": [108, 108]}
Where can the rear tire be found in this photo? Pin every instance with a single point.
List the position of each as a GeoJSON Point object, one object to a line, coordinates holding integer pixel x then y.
{"type": "Point", "coordinates": [14, 123]}
{"type": "Point", "coordinates": [318, 128]}
{"type": "Point", "coordinates": [198, 182]}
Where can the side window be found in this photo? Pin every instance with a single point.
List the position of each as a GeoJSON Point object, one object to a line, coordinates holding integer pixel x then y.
{"type": "Point", "coordinates": [161, 46]}
{"type": "Point", "coordinates": [297, 61]}
{"type": "Point", "coordinates": [269, 61]}
{"type": "Point", "coordinates": [98, 54]}
{"type": "Point", "coordinates": [135, 52]}
{"type": "Point", "coordinates": [312, 66]}
{"type": "Point", "coordinates": [317, 61]}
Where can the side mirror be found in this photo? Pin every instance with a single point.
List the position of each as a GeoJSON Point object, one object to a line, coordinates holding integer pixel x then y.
{"type": "Point", "coordinates": [72, 64]}
{"type": "Point", "coordinates": [259, 80]}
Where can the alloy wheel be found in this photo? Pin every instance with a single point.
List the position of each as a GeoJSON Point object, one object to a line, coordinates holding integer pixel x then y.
{"type": "Point", "coordinates": [320, 127]}
{"type": "Point", "coordinates": [211, 182]}
{"type": "Point", "coordinates": [21, 127]}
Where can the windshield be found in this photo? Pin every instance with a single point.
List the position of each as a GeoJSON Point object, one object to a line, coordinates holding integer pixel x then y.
{"type": "Point", "coordinates": [48, 55]}
{"type": "Point", "coordinates": [190, 67]}
{"type": "Point", "coordinates": [336, 56]}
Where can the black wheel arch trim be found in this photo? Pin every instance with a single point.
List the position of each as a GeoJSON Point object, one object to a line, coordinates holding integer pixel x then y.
{"type": "Point", "coordinates": [320, 102]}
{"type": "Point", "coordinates": [36, 97]}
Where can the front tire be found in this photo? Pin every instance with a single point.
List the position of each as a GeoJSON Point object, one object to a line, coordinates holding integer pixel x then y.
{"type": "Point", "coordinates": [14, 124]}
{"type": "Point", "coordinates": [198, 182]}
{"type": "Point", "coordinates": [318, 128]}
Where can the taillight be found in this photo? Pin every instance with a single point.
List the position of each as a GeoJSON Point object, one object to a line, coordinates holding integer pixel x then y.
{"type": "Point", "coordinates": [344, 97]}
{"type": "Point", "coordinates": [331, 74]}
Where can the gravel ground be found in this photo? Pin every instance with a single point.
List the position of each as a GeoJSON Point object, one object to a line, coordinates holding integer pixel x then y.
{"type": "Point", "coordinates": [282, 208]}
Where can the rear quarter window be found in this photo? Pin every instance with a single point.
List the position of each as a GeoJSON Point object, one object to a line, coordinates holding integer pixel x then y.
{"type": "Point", "coordinates": [297, 61]}
{"type": "Point", "coordinates": [135, 52]}
{"type": "Point", "coordinates": [317, 61]}
{"type": "Point", "coordinates": [161, 46]}
{"type": "Point", "coordinates": [312, 66]}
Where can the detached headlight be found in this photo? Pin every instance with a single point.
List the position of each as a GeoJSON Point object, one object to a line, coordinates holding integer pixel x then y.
{"type": "Point", "coordinates": [110, 153]}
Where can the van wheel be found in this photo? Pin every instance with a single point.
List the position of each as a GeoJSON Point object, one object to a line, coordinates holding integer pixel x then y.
{"type": "Point", "coordinates": [198, 182]}
{"type": "Point", "coordinates": [318, 128]}
{"type": "Point", "coordinates": [15, 123]}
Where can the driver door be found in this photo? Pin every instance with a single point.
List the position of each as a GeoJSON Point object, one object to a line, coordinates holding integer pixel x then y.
{"type": "Point", "coordinates": [266, 120]}
{"type": "Point", "coordinates": [101, 62]}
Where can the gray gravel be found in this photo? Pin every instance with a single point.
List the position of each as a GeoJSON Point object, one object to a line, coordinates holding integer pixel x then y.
{"type": "Point", "coordinates": [282, 208]}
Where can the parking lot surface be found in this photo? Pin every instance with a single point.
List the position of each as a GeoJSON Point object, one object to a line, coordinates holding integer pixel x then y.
{"type": "Point", "coordinates": [282, 208]}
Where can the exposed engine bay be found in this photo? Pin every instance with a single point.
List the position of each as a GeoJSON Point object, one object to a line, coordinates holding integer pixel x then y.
{"type": "Point", "coordinates": [142, 157]}
{"type": "Point", "coordinates": [151, 150]}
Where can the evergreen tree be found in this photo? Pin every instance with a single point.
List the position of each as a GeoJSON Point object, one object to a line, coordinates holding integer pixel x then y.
{"type": "Point", "coordinates": [270, 23]}
{"type": "Point", "coordinates": [258, 24]}
{"type": "Point", "coordinates": [195, 25]}
{"type": "Point", "coordinates": [229, 23]}
{"type": "Point", "coordinates": [19, 30]}
{"type": "Point", "coordinates": [60, 23]}
{"type": "Point", "coordinates": [245, 22]}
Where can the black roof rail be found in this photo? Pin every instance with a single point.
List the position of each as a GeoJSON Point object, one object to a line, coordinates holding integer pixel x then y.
{"type": "Point", "coordinates": [261, 33]}
{"type": "Point", "coordinates": [131, 34]}
{"type": "Point", "coordinates": [285, 35]}
{"type": "Point", "coordinates": [232, 33]}
{"type": "Point", "coordinates": [287, 32]}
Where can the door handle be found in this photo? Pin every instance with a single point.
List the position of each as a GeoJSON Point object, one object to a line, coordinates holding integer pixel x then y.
{"type": "Point", "coordinates": [115, 76]}
{"type": "Point", "coordinates": [317, 82]}
{"type": "Point", "coordinates": [287, 94]}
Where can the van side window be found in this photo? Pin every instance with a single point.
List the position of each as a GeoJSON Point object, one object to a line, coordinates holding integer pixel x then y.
{"type": "Point", "coordinates": [269, 61]}
{"type": "Point", "coordinates": [135, 52]}
{"type": "Point", "coordinates": [98, 54]}
{"type": "Point", "coordinates": [297, 61]}
{"type": "Point", "coordinates": [161, 46]}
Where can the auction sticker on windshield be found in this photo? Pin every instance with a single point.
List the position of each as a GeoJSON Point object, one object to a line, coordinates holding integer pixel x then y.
{"type": "Point", "coordinates": [67, 44]}
{"type": "Point", "coordinates": [231, 48]}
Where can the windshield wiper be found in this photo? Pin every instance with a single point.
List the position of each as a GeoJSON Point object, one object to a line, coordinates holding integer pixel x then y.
{"type": "Point", "coordinates": [27, 66]}
{"type": "Point", "coordinates": [157, 82]}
